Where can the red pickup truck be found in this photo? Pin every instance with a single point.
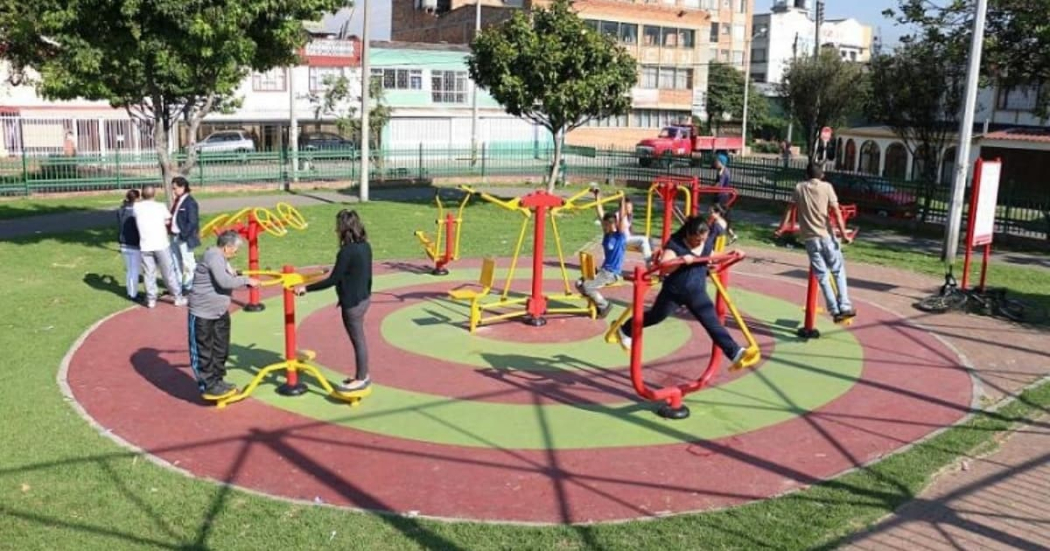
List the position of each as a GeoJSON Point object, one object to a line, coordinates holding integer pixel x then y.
{"type": "Point", "coordinates": [682, 141]}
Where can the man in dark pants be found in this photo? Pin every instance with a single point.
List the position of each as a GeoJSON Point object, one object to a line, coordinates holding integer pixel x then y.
{"type": "Point", "coordinates": [209, 325]}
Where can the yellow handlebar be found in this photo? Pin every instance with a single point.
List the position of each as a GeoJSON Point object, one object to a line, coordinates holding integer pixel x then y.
{"type": "Point", "coordinates": [513, 204]}
{"type": "Point", "coordinates": [291, 216]}
{"type": "Point", "coordinates": [570, 203]}
{"type": "Point", "coordinates": [269, 223]}
{"type": "Point", "coordinates": [288, 281]}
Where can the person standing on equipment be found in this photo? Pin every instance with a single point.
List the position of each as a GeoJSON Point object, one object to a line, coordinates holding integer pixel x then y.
{"type": "Point", "coordinates": [614, 244]}
{"type": "Point", "coordinates": [209, 322]}
{"type": "Point", "coordinates": [686, 285]}
{"type": "Point", "coordinates": [352, 276]}
{"type": "Point", "coordinates": [813, 199]}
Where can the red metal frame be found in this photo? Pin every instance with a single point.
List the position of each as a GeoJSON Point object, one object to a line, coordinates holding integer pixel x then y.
{"type": "Point", "coordinates": [290, 348]}
{"type": "Point", "coordinates": [672, 395]}
{"type": "Point", "coordinates": [446, 258]}
{"type": "Point", "coordinates": [540, 202]}
{"type": "Point", "coordinates": [848, 212]}
{"type": "Point", "coordinates": [970, 238]}
{"type": "Point", "coordinates": [250, 233]}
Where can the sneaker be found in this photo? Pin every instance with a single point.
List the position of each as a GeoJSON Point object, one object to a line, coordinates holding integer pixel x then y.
{"type": "Point", "coordinates": [181, 301]}
{"type": "Point", "coordinates": [350, 385]}
{"type": "Point", "coordinates": [745, 357]}
{"type": "Point", "coordinates": [604, 311]}
{"type": "Point", "coordinates": [625, 341]}
{"type": "Point", "coordinates": [219, 388]}
{"type": "Point", "coordinates": [151, 303]}
{"type": "Point", "coordinates": [845, 315]}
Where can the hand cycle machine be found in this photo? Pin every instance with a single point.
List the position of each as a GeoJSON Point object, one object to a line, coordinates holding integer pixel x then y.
{"type": "Point", "coordinates": [667, 188]}
{"type": "Point", "coordinates": [250, 223]}
{"type": "Point", "coordinates": [448, 227]}
{"type": "Point", "coordinates": [535, 207]}
{"type": "Point", "coordinates": [295, 361]}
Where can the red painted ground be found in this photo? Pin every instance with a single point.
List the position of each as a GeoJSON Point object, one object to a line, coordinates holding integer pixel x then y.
{"type": "Point", "coordinates": [141, 389]}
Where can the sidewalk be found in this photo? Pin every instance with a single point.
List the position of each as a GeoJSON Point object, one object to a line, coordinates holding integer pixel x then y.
{"type": "Point", "coordinates": [1001, 501]}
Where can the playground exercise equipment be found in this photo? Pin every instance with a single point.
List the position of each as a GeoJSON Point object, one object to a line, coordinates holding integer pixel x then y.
{"type": "Point", "coordinates": [250, 223]}
{"type": "Point", "coordinates": [448, 226]}
{"type": "Point", "coordinates": [668, 188]}
{"type": "Point", "coordinates": [671, 396]}
{"type": "Point", "coordinates": [295, 361]}
{"type": "Point", "coordinates": [536, 207]}
{"type": "Point", "coordinates": [808, 329]}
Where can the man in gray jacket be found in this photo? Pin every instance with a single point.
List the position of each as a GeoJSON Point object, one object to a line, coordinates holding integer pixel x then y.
{"type": "Point", "coordinates": [213, 282]}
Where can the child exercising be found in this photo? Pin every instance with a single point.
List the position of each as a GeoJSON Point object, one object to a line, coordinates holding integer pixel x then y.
{"type": "Point", "coordinates": [614, 244]}
{"type": "Point", "coordinates": [686, 285]}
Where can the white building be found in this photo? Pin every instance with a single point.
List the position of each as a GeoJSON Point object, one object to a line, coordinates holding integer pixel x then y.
{"type": "Point", "coordinates": [788, 31]}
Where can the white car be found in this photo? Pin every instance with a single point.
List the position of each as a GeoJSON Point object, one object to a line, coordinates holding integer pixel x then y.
{"type": "Point", "coordinates": [226, 141]}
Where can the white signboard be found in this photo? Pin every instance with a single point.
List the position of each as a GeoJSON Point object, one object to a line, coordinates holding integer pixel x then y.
{"type": "Point", "coordinates": [987, 197]}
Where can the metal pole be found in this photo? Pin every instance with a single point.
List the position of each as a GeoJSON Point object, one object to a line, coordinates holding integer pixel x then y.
{"type": "Point", "coordinates": [962, 164]}
{"type": "Point", "coordinates": [293, 126]}
{"type": "Point", "coordinates": [816, 37]}
{"type": "Point", "coordinates": [474, 87]}
{"type": "Point", "coordinates": [366, 81]}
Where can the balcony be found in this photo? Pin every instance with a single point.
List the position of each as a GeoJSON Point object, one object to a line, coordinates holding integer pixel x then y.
{"type": "Point", "coordinates": [330, 47]}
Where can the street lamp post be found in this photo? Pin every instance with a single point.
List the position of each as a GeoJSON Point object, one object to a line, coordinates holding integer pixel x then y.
{"type": "Point", "coordinates": [747, 86]}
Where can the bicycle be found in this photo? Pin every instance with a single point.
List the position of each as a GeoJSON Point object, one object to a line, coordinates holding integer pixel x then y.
{"type": "Point", "coordinates": [987, 302]}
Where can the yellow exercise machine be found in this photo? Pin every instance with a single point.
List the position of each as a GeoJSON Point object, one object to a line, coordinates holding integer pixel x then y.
{"type": "Point", "coordinates": [448, 226]}
{"type": "Point", "coordinates": [533, 207]}
{"type": "Point", "coordinates": [294, 360]}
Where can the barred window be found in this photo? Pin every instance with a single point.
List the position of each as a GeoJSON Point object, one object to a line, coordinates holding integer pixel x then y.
{"type": "Point", "coordinates": [449, 86]}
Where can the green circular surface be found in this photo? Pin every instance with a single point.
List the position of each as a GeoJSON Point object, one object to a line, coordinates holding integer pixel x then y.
{"type": "Point", "coordinates": [800, 377]}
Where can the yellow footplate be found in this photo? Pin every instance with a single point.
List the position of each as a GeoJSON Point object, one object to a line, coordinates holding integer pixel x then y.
{"type": "Point", "coordinates": [217, 397]}
{"type": "Point", "coordinates": [305, 355]}
{"type": "Point", "coordinates": [353, 397]}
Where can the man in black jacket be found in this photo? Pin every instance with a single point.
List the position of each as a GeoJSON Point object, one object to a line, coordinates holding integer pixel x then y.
{"type": "Point", "coordinates": [185, 230]}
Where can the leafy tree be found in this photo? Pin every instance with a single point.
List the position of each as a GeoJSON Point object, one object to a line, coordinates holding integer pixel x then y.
{"type": "Point", "coordinates": [549, 67]}
{"type": "Point", "coordinates": [340, 101]}
{"type": "Point", "coordinates": [1016, 40]}
{"type": "Point", "coordinates": [918, 91]}
{"type": "Point", "coordinates": [161, 60]}
{"type": "Point", "coordinates": [725, 97]}
{"type": "Point", "coordinates": [821, 91]}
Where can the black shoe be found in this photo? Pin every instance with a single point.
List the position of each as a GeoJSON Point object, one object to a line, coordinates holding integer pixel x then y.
{"type": "Point", "coordinates": [845, 315]}
{"type": "Point", "coordinates": [603, 312]}
{"type": "Point", "coordinates": [219, 388]}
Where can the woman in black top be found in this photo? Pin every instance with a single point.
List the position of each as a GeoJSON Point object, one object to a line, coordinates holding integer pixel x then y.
{"type": "Point", "coordinates": [128, 237]}
{"type": "Point", "coordinates": [686, 285]}
{"type": "Point", "coordinates": [352, 278]}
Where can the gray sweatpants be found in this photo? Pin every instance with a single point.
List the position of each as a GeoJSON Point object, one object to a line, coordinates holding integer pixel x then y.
{"type": "Point", "coordinates": [150, 261]}
{"type": "Point", "coordinates": [601, 279]}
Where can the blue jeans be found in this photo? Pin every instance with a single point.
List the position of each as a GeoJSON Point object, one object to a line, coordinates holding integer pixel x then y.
{"type": "Point", "coordinates": [825, 257]}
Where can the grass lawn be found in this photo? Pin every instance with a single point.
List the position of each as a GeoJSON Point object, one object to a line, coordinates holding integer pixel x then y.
{"type": "Point", "coordinates": [64, 486]}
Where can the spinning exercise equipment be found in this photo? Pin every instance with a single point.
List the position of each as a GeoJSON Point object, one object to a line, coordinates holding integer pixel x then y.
{"type": "Point", "coordinates": [668, 188]}
{"type": "Point", "coordinates": [537, 207]}
{"type": "Point", "coordinates": [808, 329]}
{"type": "Point", "coordinates": [671, 396]}
{"type": "Point", "coordinates": [294, 360]}
{"type": "Point", "coordinates": [249, 223]}
{"type": "Point", "coordinates": [449, 226]}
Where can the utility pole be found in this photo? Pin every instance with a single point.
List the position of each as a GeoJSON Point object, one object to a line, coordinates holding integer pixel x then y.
{"type": "Point", "coordinates": [962, 160]}
{"type": "Point", "coordinates": [794, 57]}
{"type": "Point", "coordinates": [819, 19]}
{"type": "Point", "coordinates": [474, 95]}
{"type": "Point", "coordinates": [366, 82]}
{"type": "Point", "coordinates": [747, 88]}
{"type": "Point", "coordinates": [293, 128]}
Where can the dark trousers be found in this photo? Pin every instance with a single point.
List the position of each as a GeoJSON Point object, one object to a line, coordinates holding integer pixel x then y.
{"type": "Point", "coordinates": [354, 322]}
{"type": "Point", "coordinates": [209, 348]}
{"type": "Point", "coordinates": [700, 306]}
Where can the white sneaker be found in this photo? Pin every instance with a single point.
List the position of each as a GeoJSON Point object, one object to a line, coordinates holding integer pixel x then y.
{"type": "Point", "coordinates": [350, 385]}
{"type": "Point", "coordinates": [151, 303]}
{"type": "Point", "coordinates": [625, 341]}
{"type": "Point", "coordinates": [181, 301]}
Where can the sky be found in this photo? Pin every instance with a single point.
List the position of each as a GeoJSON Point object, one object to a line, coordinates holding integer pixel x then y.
{"type": "Point", "coordinates": [868, 12]}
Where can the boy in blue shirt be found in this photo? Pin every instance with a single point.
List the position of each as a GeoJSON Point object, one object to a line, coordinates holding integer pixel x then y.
{"type": "Point", "coordinates": [614, 243]}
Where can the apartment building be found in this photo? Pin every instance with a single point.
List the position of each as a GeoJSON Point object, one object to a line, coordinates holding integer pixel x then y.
{"type": "Point", "coordinates": [673, 41]}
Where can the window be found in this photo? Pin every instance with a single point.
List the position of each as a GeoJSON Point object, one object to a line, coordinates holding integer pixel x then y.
{"type": "Point", "coordinates": [742, 6]}
{"type": "Point", "coordinates": [683, 79]}
{"type": "Point", "coordinates": [666, 78]}
{"type": "Point", "coordinates": [449, 86]}
{"type": "Point", "coordinates": [323, 77]}
{"type": "Point", "coordinates": [650, 76]}
{"type": "Point", "coordinates": [723, 55]}
{"type": "Point", "coordinates": [270, 81]}
{"type": "Point", "coordinates": [593, 24]}
{"type": "Point", "coordinates": [714, 32]}
{"type": "Point", "coordinates": [760, 31]}
{"type": "Point", "coordinates": [738, 32]}
{"type": "Point", "coordinates": [669, 37]}
{"type": "Point", "coordinates": [738, 57]}
{"type": "Point", "coordinates": [628, 33]}
{"type": "Point", "coordinates": [758, 55]}
{"type": "Point", "coordinates": [725, 28]}
{"type": "Point", "coordinates": [656, 118]}
{"type": "Point", "coordinates": [609, 122]}
{"type": "Point", "coordinates": [758, 77]}
{"type": "Point", "coordinates": [1017, 98]}
{"type": "Point", "coordinates": [686, 38]}
{"type": "Point", "coordinates": [651, 35]}
{"type": "Point", "coordinates": [610, 29]}
{"type": "Point", "coordinates": [399, 79]}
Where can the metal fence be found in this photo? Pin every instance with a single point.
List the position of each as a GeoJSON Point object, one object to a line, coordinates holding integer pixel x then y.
{"type": "Point", "coordinates": [1022, 212]}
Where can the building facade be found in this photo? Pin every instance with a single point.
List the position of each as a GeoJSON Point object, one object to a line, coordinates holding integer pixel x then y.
{"type": "Point", "coordinates": [788, 31]}
{"type": "Point", "coordinates": [673, 41]}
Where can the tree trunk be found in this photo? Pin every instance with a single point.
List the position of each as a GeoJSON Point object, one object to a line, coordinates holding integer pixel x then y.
{"type": "Point", "coordinates": [552, 178]}
{"type": "Point", "coordinates": [160, 144]}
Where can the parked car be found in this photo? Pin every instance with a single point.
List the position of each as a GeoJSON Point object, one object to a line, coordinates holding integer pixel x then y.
{"type": "Point", "coordinates": [226, 141]}
{"type": "Point", "coordinates": [873, 194]}
{"type": "Point", "coordinates": [322, 141]}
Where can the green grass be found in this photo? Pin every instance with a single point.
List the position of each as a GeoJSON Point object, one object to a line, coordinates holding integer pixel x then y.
{"type": "Point", "coordinates": [64, 486]}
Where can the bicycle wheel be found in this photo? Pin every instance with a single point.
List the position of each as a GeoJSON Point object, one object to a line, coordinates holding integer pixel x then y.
{"type": "Point", "coordinates": [938, 304]}
{"type": "Point", "coordinates": [1020, 311]}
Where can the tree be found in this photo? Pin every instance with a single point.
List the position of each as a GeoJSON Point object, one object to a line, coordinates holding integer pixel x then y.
{"type": "Point", "coordinates": [1016, 40]}
{"type": "Point", "coordinates": [162, 60]}
{"type": "Point", "coordinates": [549, 67]}
{"type": "Point", "coordinates": [918, 91]}
{"type": "Point", "coordinates": [821, 91]}
{"type": "Point", "coordinates": [340, 101]}
{"type": "Point", "coordinates": [725, 98]}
